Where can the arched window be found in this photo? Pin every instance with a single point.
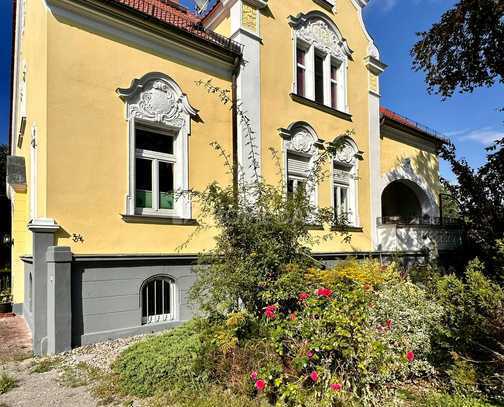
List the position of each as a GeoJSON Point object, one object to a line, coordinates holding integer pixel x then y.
{"type": "Point", "coordinates": [345, 188]}
{"type": "Point", "coordinates": [159, 117]}
{"type": "Point", "coordinates": [320, 60]}
{"type": "Point", "coordinates": [301, 145]}
{"type": "Point", "coordinates": [157, 300]}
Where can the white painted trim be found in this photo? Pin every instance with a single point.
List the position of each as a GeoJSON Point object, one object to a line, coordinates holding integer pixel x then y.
{"type": "Point", "coordinates": [168, 112]}
{"type": "Point", "coordinates": [374, 161]}
{"type": "Point", "coordinates": [33, 173]}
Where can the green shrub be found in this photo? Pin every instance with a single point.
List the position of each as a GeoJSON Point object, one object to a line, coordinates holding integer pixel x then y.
{"type": "Point", "coordinates": [169, 360]}
{"type": "Point", "coordinates": [448, 400]}
{"type": "Point", "coordinates": [7, 382]}
{"type": "Point", "coordinates": [473, 327]}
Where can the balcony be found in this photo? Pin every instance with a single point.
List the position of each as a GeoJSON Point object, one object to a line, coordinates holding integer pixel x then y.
{"type": "Point", "coordinates": [411, 233]}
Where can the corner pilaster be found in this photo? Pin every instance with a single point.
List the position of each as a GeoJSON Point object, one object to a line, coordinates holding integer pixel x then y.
{"type": "Point", "coordinates": [43, 230]}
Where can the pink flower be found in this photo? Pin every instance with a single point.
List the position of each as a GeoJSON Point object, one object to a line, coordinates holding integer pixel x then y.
{"type": "Point", "coordinates": [303, 296]}
{"type": "Point", "coordinates": [293, 316]}
{"type": "Point", "coordinates": [309, 354]}
{"type": "Point", "coordinates": [314, 376]}
{"type": "Point", "coordinates": [324, 292]}
{"type": "Point", "coordinates": [260, 385]}
{"type": "Point", "coordinates": [410, 356]}
{"type": "Point", "coordinates": [389, 324]}
{"type": "Point", "coordinates": [253, 375]}
{"type": "Point", "coordinates": [270, 311]}
{"type": "Point", "coordinates": [336, 386]}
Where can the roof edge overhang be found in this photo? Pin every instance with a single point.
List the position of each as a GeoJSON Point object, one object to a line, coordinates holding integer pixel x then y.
{"type": "Point", "coordinates": [424, 135]}
{"type": "Point", "coordinates": [138, 19]}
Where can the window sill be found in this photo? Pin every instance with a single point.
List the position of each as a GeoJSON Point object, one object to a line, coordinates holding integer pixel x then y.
{"type": "Point", "coordinates": [323, 108]}
{"type": "Point", "coordinates": [160, 220]}
{"type": "Point", "coordinates": [328, 5]}
{"type": "Point", "coordinates": [346, 228]}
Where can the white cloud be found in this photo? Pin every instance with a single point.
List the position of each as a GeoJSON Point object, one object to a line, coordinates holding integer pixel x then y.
{"type": "Point", "coordinates": [485, 135]}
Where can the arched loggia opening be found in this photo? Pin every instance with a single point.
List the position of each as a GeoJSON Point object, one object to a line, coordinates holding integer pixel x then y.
{"type": "Point", "coordinates": [403, 201]}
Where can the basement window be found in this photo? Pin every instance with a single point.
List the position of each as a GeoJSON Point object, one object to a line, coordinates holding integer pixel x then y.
{"type": "Point", "coordinates": [157, 296]}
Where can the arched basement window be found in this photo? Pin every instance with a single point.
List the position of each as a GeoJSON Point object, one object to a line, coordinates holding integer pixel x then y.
{"type": "Point", "coordinates": [157, 296]}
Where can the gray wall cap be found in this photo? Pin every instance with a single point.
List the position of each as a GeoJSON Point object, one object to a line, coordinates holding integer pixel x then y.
{"type": "Point", "coordinates": [44, 225]}
{"type": "Point", "coordinates": [59, 254]}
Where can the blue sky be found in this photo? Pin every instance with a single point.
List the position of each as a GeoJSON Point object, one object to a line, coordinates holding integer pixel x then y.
{"type": "Point", "coordinates": [470, 120]}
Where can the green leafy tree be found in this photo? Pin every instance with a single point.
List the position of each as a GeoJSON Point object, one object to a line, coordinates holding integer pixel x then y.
{"type": "Point", "coordinates": [465, 49]}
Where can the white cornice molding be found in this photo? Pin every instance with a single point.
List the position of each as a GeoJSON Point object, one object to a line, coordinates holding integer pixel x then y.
{"type": "Point", "coordinates": [44, 225]}
{"type": "Point", "coordinates": [375, 65]}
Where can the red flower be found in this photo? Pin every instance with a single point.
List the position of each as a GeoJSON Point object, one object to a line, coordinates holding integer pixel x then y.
{"type": "Point", "coordinates": [270, 311]}
{"type": "Point", "coordinates": [336, 386]}
{"type": "Point", "coordinates": [324, 292]}
{"type": "Point", "coordinates": [260, 385]}
{"type": "Point", "coordinates": [292, 316]}
{"type": "Point", "coordinates": [410, 356]}
{"type": "Point", "coordinates": [253, 375]}
{"type": "Point", "coordinates": [314, 376]}
{"type": "Point", "coordinates": [303, 296]}
{"type": "Point", "coordinates": [389, 324]}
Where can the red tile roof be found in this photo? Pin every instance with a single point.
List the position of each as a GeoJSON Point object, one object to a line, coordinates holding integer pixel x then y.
{"type": "Point", "coordinates": [175, 15]}
{"type": "Point", "coordinates": [411, 124]}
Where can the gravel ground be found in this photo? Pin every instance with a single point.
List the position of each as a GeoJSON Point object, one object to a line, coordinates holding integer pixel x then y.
{"type": "Point", "coordinates": [49, 388]}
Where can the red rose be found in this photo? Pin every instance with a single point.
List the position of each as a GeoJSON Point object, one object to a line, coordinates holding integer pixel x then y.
{"type": "Point", "coordinates": [253, 375]}
{"type": "Point", "coordinates": [260, 385]}
{"type": "Point", "coordinates": [410, 356]}
{"type": "Point", "coordinates": [314, 376]}
{"type": "Point", "coordinates": [336, 387]}
{"type": "Point", "coordinates": [389, 324]}
{"type": "Point", "coordinates": [303, 296]}
{"type": "Point", "coordinates": [324, 292]}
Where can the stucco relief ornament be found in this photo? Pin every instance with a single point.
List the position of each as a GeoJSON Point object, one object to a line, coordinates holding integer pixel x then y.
{"type": "Point", "coordinates": [322, 37]}
{"type": "Point", "coordinates": [156, 98]}
{"type": "Point", "coordinates": [302, 142]}
{"type": "Point", "coordinates": [345, 154]}
{"type": "Point", "coordinates": [159, 104]}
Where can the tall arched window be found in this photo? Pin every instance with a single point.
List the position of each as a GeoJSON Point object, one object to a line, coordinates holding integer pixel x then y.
{"type": "Point", "coordinates": [345, 177]}
{"type": "Point", "coordinates": [159, 117]}
{"type": "Point", "coordinates": [157, 300]}
{"type": "Point", "coordinates": [321, 57]}
{"type": "Point", "coordinates": [301, 145]}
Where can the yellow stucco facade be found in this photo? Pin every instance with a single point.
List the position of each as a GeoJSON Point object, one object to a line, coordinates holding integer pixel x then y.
{"type": "Point", "coordinates": [75, 63]}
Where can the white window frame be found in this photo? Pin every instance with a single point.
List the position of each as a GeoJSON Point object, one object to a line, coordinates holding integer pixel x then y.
{"type": "Point", "coordinates": [156, 157]}
{"type": "Point", "coordinates": [157, 103]}
{"type": "Point", "coordinates": [348, 163]}
{"type": "Point", "coordinates": [315, 46]}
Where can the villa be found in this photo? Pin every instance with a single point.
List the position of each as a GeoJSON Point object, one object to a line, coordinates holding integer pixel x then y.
{"type": "Point", "coordinates": [110, 120]}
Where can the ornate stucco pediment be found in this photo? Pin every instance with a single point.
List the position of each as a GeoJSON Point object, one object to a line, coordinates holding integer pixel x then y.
{"type": "Point", "coordinates": [301, 138]}
{"type": "Point", "coordinates": [157, 98]}
{"type": "Point", "coordinates": [345, 154]}
{"type": "Point", "coordinates": [316, 29]}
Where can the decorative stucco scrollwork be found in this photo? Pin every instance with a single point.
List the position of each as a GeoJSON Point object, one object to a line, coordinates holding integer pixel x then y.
{"type": "Point", "coordinates": [157, 98]}
{"type": "Point", "coordinates": [317, 29]}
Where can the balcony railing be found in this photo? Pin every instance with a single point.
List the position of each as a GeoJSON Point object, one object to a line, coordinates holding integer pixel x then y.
{"type": "Point", "coordinates": [419, 220]}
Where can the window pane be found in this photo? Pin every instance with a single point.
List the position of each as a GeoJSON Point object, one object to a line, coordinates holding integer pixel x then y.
{"type": "Point", "coordinates": [148, 140]}
{"type": "Point", "coordinates": [300, 81]}
{"type": "Point", "coordinates": [334, 72]}
{"type": "Point", "coordinates": [334, 95]}
{"type": "Point", "coordinates": [319, 79]}
{"type": "Point", "coordinates": [290, 186]}
{"type": "Point", "coordinates": [166, 190]}
{"type": "Point", "coordinates": [301, 56]}
{"type": "Point", "coordinates": [150, 298]}
{"type": "Point", "coordinates": [143, 195]}
{"type": "Point", "coordinates": [166, 297]}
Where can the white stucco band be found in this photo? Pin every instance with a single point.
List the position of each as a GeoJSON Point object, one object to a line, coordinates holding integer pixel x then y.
{"type": "Point", "coordinates": [405, 173]}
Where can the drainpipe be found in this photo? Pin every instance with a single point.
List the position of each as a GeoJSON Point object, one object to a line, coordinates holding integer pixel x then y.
{"type": "Point", "coordinates": [234, 98]}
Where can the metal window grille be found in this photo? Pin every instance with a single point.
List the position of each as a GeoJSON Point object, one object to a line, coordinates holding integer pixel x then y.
{"type": "Point", "coordinates": [157, 300]}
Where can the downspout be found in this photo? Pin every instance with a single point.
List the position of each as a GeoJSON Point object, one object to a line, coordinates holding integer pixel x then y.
{"type": "Point", "coordinates": [234, 98]}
